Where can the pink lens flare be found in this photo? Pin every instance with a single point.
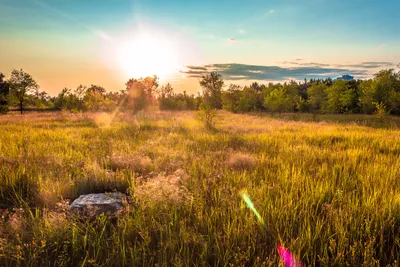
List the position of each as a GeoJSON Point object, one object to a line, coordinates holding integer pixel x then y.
{"type": "Point", "coordinates": [287, 258]}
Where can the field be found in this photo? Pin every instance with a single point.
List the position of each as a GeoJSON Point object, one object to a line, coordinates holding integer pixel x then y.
{"type": "Point", "coordinates": [329, 191]}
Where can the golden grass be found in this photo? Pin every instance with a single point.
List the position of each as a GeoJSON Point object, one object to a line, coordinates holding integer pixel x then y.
{"type": "Point", "coordinates": [327, 190]}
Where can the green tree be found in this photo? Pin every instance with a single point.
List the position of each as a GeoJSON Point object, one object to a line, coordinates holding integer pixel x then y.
{"type": "Point", "coordinates": [4, 91]}
{"type": "Point", "coordinates": [278, 101]}
{"type": "Point", "coordinates": [366, 99]}
{"type": "Point", "coordinates": [65, 100]}
{"type": "Point", "coordinates": [212, 84]}
{"type": "Point", "coordinates": [230, 97]}
{"type": "Point", "coordinates": [292, 93]}
{"type": "Point", "coordinates": [387, 82]}
{"type": "Point", "coordinates": [302, 105]}
{"type": "Point", "coordinates": [381, 111]}
{"type": "Point", "coordinates": [317, 99]}
{"type": "Point", "coordinates": [383, 89]}
{"type": "Point", "coordinates": [340, 97]}
{"type": "Point", "coordinates": [250, 100]}
{"type": "Point", "coordinates": [21, 83]}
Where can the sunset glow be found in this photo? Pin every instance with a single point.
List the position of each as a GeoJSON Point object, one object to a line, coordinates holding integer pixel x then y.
{"type": "Point", "coordinates": [147, 55]}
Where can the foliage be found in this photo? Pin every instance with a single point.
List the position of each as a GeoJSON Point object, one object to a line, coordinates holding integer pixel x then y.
{"type": "Point", "coordinates": [212, 84]}
{"type": "Point", "coordinates": [141, 93]}
{"type": "Point", "coordinates": [340, 98]}
{"type": "Point", "coordinates": [230, 97]}
{"type": "Point", "coordinates": [21, 83]}
{"type": "Point", "coordinates": [315, 95]}
{"type": "Point", "coordinates": [381, 110]}
{"type": "Point", "coordinates": [206, 115]}
{"type": "Point", "coordinates": [4, 91]}
{"type": "Point", "coordinates": [317, 98]}
{"type": "Point", "coordinates": [302, 105]}
{"type": "Point", "coordinates": [168, 100]}
{"type": "Point", "coordinates": [278, 100]}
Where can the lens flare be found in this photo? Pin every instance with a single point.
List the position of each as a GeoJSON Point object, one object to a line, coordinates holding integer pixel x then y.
{"type": "Point", "coordinates": [103, 120]}
{"type": "Point", "coordinates": [287, 258]}
{"type": "Point", "coordinates": [250, 205]}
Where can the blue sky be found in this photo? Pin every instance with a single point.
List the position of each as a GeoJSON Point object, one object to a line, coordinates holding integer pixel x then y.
{"type": "Point", "coordinates": [69, 42]}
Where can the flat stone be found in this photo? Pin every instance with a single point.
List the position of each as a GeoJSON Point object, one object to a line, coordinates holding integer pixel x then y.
{"type": "Point", "coordinates": [93, 205]}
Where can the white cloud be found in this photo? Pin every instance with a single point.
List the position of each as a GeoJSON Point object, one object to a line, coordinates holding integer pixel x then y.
{"type": "Point", "coordinates": [241, 31]}
{"type": "Point", "coordinates": [270, 12]}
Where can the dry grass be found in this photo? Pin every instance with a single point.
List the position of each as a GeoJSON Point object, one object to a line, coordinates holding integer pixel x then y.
{"type": "Point", "coordinates": [164, 188]}
{"type": "Point", "coordinates": [241, 161]}
{"type": "Point", "coordinates": [134, 162]}
{"type": "Point", "coordinates": [328, 191]}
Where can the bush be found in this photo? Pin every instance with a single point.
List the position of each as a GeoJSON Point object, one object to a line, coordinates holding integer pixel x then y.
{"type": "Point", "coordinates": [3, 109]}
{"type": "Point", "coordinates": [207, 115]}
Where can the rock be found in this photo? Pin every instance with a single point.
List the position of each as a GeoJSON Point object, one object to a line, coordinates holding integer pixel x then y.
{"type": "Point", "coordinates": [93, 205]}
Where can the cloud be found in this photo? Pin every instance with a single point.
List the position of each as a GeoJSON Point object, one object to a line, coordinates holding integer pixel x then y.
{"type": "Point", "coordinates": [307, 64]}
{"type": "Point", "coordinates": [271, 73]}
{"type": "Point", "coordinates": [369, 65]}
{"type": "Point", "coordinates": [231, 41]}
{"type": "Point", "coordinates": [363, 65]}
{"type": "Point", "coordinates": [241, 31]}
{"type": "Point", "coordinates": [270, 12]}
{"type": "Point", "coordinates": [195, 67]}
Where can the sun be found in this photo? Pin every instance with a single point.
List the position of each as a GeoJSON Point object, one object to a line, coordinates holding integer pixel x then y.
{"type": "Point", "coordinates": [148, 55]}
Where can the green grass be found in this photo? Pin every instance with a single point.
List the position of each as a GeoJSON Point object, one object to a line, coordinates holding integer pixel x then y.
{"type": "Point", "coordinates": [329, 191]}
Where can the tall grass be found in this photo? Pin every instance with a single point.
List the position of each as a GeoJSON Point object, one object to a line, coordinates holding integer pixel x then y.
{"type": "Point", "coordinates": [329, 191]}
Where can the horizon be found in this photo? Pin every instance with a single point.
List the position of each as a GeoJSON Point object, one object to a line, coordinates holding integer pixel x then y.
{"type": "Point", "coordinates": [68, 43]}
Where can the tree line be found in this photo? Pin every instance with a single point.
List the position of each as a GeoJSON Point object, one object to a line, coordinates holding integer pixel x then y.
{"type": "Point", "coordinates": [381, 94]}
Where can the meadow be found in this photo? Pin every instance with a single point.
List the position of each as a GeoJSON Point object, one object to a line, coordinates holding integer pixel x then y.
{"type": "Point", "coordinates": [329, 190]}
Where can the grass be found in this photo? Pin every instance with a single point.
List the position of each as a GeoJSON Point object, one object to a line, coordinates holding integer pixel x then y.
{"type": "Point", "coordinates": [329, 191]}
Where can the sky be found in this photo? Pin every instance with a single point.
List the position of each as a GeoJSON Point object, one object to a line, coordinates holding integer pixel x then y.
{"type": "Point", "coordinates": [65, 43]}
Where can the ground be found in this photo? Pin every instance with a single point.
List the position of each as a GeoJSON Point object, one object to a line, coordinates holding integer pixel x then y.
{"type": "Point", "coordinates": [329, 190]}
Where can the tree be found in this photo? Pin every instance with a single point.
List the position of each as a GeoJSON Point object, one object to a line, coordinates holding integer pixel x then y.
{"type": "Point", "coordinates": [317, 97]}
{"type": "Point", "coordinates": [166, 91]}
{"type": "Point", "coordinates": [278, 100]}
{"type": "Point", "coordinates": [386, 84]}
{"type": "Point", "coordinates": [250, 100]}
{"type": "Point", "coordinates": [95, 100]}
{"type": "Point", "coordinates": [141, 92]}
{"type": "Point", "coordinates": [292, 92]}
{"type": "Point", "coordinates": [340, 97]}
{"type": "Point", "coordinates": [383, 89]}
{"type": "Point", "coordinates": [212, 84]}
{"type": "Point", "coordinates": [63, 100]}
{"type": "Point", "coordinates": [230, 97]}
{"type": "Point", "coordinates": [21, 83]}
{"type": "Point", "coordinates": [4, 91]}
{"type": "Point", "coordinates": [80, 93]}
{"type": "Point", "coordinates": [367, 95]}
{"type": "Point", "coordinates": [93, 88]}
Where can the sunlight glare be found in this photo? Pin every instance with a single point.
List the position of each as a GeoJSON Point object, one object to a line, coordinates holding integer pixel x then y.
{"type": "Point", "coordinates": [147, 55]}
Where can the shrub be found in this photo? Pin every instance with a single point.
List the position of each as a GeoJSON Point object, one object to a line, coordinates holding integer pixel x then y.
{"type": "Point", "coordinates": [207, 115]}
